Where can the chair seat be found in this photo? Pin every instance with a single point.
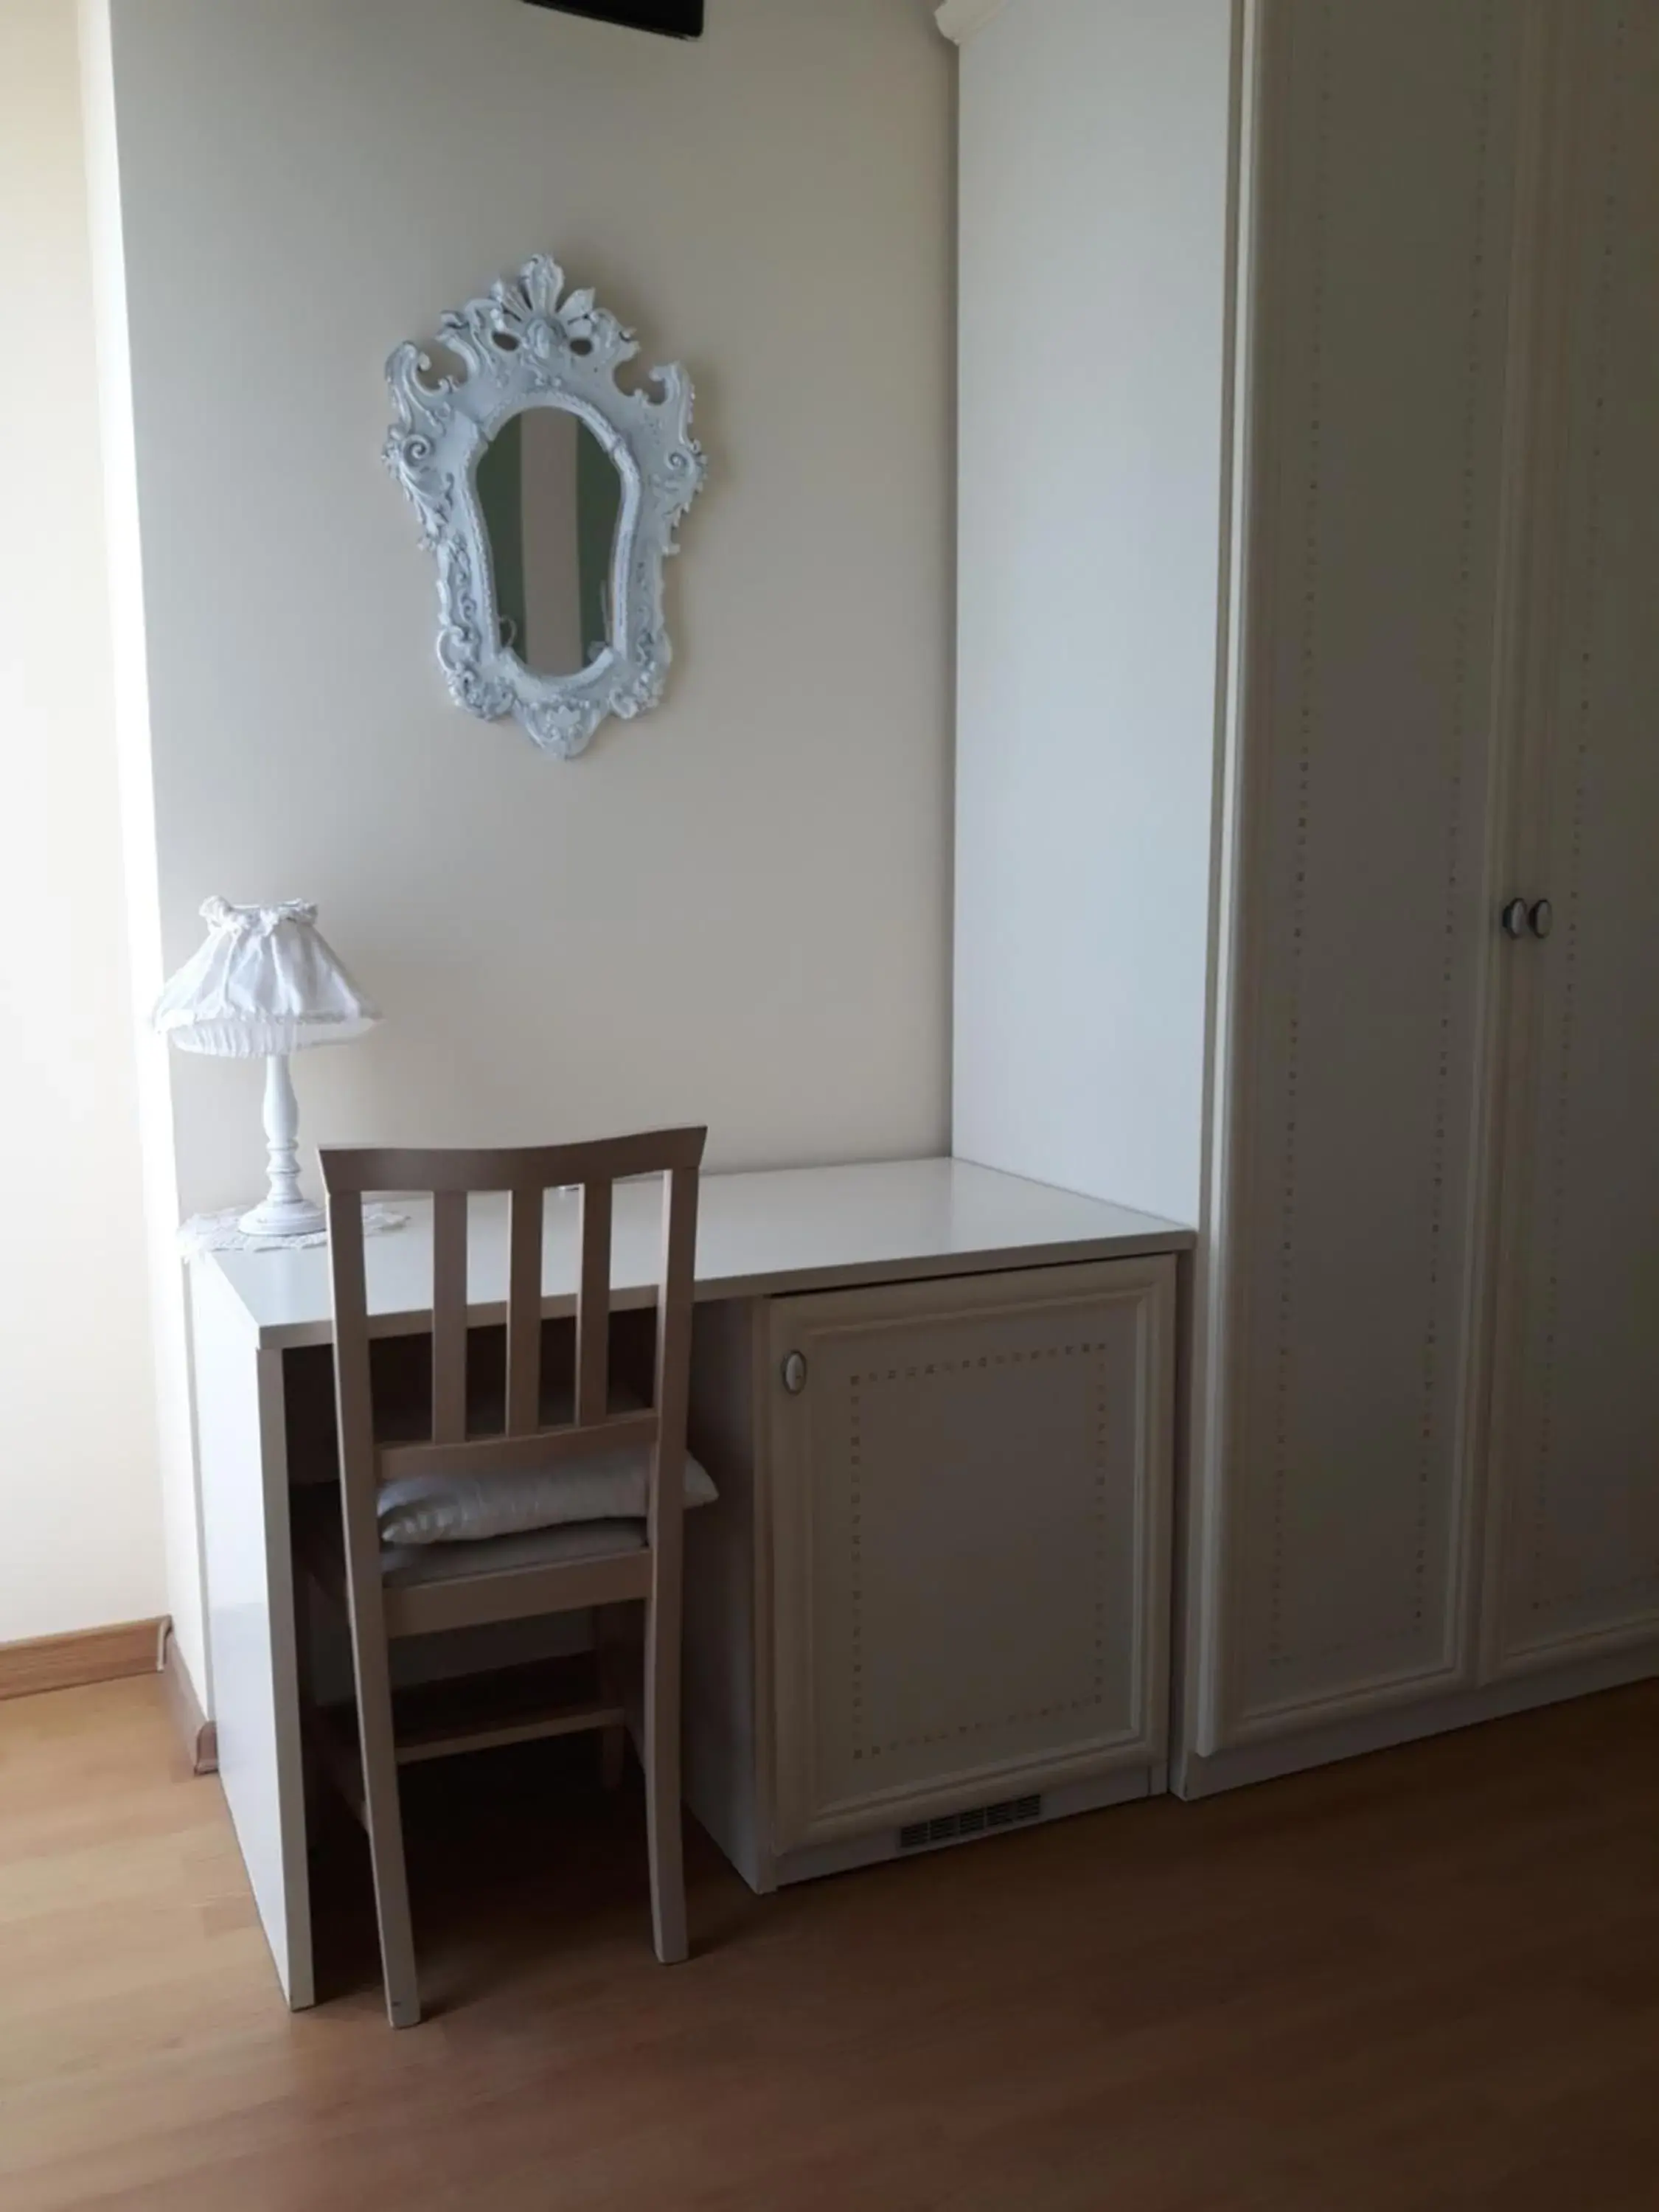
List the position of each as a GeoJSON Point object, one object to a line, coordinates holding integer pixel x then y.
{"type": "Point", "coordinates": [406, 1566]}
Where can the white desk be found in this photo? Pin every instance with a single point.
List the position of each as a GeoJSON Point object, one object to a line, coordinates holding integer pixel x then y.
{"type": "Point", "coordinates": [758, 1236]}
{"type": "Point", "coordinates": [761, 1237]}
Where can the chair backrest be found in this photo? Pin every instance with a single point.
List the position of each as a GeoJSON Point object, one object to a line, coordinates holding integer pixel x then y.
{"type": "Point", "coordinates": [526, 1175]}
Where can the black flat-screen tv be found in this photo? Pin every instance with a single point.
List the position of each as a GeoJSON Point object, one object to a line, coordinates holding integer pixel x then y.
{"type": "Point", "coordinates": [675, 19]}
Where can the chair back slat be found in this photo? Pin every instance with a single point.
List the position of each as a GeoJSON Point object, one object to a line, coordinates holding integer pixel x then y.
{"type": "Point", "coordinates": [449, 1316]}
{"type": "Point", "coordinates": [524, 1310]}
{"type": "Point", "coordinates": [593, 1307]}
{"type": "Point", "coordinates": [365, 1168]}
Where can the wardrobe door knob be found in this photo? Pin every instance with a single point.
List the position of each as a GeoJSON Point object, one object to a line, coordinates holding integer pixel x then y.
{"type": "Point", "coordinates": [1514, 918]}
{"type": "Point", "coordinates": [1541, 918]}
{"type": "Point", "coordinates": [794, 1373]}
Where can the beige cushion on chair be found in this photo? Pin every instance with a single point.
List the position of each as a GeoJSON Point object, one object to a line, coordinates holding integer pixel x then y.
{"type": "Point", "coordinates": [461, 1508]}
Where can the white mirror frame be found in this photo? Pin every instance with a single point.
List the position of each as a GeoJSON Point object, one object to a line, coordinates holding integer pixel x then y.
{"type": "Point", "coordinates": [524, 345]}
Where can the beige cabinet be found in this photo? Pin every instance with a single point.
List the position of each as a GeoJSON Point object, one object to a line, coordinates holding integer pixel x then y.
{"type": "Point", "coordinates": [1304, 874]}
{"type": "Point", "coordinates": [1573, 1572]}
{"type": "Point", "coordinates": [1367, 901]}
{"type": "Point", "coordinates": [935, 1599]}
{"type": "Point", "coordinates": [1434, 1492]}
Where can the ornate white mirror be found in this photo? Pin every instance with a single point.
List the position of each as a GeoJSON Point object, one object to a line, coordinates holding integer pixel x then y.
{"type": "Point", "coordinates": [549, 497]}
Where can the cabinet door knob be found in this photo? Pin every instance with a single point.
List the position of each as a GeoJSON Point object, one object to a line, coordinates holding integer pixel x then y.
{"type": "Point", "coordinates": [794, 1373]}
{"type": "Point", "coordinates": [1514, 918]}
{"type": "Point", "coordinates": [1541, 918]}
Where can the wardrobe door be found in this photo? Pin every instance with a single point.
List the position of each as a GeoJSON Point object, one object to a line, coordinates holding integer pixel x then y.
{"type": "Point", "coordinates": [1576, 1445]}
{"type": "Point", "coordinates": [1378, 361]}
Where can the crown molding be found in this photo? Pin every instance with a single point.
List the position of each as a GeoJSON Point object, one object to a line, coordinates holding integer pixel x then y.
{"type": "Point", "coordinates": [962, 19]}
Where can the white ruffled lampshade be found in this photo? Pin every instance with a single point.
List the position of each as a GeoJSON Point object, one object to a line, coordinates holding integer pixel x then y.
{"type": "Point", "coordinates": [264, 982]}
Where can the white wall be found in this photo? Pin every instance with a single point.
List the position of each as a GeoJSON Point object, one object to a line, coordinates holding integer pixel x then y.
{"type": "Point", "coordinates": [736, 910]}
{"type": "Point", "coordinates": [78, 1486]}
{"type": "Point", "coordinates": [1094, 212]}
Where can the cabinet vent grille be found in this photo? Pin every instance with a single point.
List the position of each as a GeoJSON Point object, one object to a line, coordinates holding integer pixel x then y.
{"type": "Point", "coordinates": [981, 1820]}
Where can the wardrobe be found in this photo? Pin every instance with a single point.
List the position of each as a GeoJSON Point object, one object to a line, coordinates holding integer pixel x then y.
{"type": "Point", "coordinates": [1307, 861]}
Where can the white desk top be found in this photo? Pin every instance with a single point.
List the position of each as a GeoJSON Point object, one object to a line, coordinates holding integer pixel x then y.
{"type": "Point", "coordinates": [796, 1228]}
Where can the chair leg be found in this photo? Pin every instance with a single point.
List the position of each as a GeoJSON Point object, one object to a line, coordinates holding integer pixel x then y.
{"type": "Point", "coordinates": [661, 1761]}
{"type": "Point", "coordinates": [383, 1813]}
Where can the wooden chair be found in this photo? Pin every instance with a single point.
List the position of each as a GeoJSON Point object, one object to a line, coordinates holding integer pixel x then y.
{"type": "Point", "coordinates": [381, 1612]}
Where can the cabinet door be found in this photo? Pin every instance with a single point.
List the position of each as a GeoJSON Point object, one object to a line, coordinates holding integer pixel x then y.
{"type": "Point", "coordinates": [969, 1498]}
{"type": "Point", "coordinates": [1576, 1446]}
{"type": "Point", "coordinates": [1342, 1560]}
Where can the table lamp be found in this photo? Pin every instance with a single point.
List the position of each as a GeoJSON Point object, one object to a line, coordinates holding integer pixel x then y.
{"type": "Point", "coordinates": [266, 984]}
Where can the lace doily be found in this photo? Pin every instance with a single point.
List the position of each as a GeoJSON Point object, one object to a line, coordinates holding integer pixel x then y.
{"type": "Point", "coordinates": [217, 1232]}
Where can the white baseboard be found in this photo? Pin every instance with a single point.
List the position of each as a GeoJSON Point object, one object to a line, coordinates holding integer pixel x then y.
{"type": "Point", "coordinates": [1193, 1777]}
{"type": "Point", "coordinates": [1120, 1787]}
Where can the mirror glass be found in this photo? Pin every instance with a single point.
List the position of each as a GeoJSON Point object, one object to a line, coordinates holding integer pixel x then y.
{"type": "Point", "coordinates": [551, 499]}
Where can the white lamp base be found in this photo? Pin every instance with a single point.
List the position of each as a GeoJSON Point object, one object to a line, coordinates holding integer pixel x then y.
{"type": "Point", "coordinates": [284, 1211]}
{"type": "Point", "coordinates": [278, 1218]}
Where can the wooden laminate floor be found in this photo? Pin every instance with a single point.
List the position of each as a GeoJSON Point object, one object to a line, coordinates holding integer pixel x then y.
{"type": "Point", "coordinates": [1425, 1979]}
